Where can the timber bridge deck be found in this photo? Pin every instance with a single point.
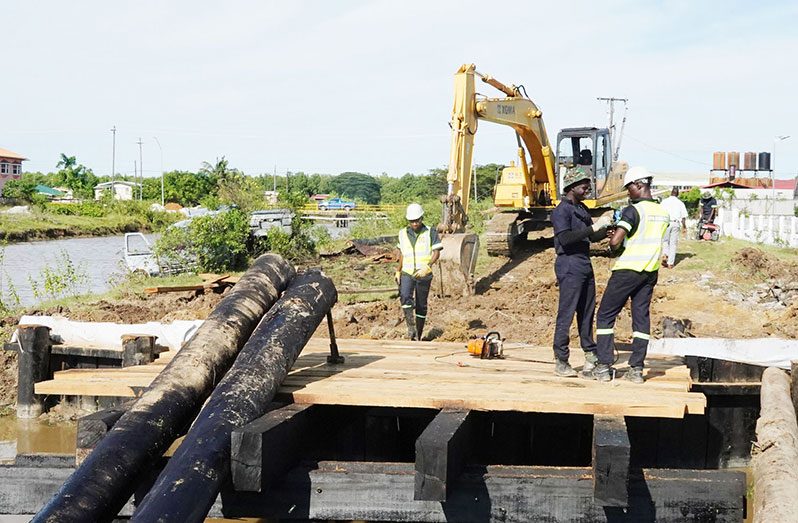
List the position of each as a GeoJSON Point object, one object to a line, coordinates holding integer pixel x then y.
{"type": "Point", "coordinates": [254, 417]}
{"type": "Point", "coordinates": [433, 375]}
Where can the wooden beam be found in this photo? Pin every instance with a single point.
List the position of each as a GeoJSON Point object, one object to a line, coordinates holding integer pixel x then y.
{"type": "Point", "coordinates": [441, 452]}
{"type": "Point", "coordinates": [384, 492]}
{"type": "Point", "coordinates": [137, 349]}
{"type": "Point", "coordinates": [93, 428]}
{"type": "Point", "coordinates": [265, 449]}
{"type": "Point", "coordinates": [611, 450]}
{"type": "Point", "coordinates": [775, 453]}
{"type": "Point", "coordinates": [34, 366]}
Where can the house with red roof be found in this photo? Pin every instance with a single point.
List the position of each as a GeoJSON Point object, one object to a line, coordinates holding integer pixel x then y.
{"type": "Point", "coordinates": [10, 166]}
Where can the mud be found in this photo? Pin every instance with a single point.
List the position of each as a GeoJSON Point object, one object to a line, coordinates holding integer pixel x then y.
{"type": "Point", "coordinates": [519, 299]}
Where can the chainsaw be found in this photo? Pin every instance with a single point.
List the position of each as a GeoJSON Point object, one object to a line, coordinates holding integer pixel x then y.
{"type": "Point", "coordinates": [487, 347]}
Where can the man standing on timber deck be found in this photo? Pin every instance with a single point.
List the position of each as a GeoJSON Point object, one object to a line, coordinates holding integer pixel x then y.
{"type": "Point", "coordinates": [634, 275]}
{"type": "Point", "coordinates": [419, 248]}
{"type": "Point", "coordinates": [573, 231]}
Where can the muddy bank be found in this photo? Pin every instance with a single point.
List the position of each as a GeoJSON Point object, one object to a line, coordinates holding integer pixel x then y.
{"type": "Point", "coordinates": [58, 233]}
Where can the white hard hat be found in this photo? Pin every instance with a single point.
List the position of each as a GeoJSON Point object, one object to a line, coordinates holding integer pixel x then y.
{"type": "Point", "coordinates": [414, 212]}
{"type": "Point", "coordinates": [636, 173]}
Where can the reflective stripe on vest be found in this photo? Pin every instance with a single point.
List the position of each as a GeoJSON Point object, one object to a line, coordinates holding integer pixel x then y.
{"type": "Point", "coordinates": [418, 256]}
{"type": "Point", "coordinates": [643, 249]}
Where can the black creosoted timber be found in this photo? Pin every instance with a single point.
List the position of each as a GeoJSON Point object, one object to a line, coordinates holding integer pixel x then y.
{"type": "Point", "coordinates": [188, 486]}
{"type": "Point", "coordinates": [101, 486]}
{"type": "Point", "coordinates": [34, 366]}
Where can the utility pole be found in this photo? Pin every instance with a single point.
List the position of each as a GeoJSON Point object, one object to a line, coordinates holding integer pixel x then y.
{"type": "Point", "coordinates": [611, 103]}
{"type": "Point", "coordinates": [113, 159]}
{"type": "Point", "coordinates": [135, 175]}
{"type": "Point", "coordinates": [141, 168]}
{"type": "Point", "coordinates": [274, 179]}
{"type": "Point", "coordinates": [161, 151]}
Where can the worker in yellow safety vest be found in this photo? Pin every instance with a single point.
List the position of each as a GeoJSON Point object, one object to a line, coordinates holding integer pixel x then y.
{"type": "Point", "coordinates": [419, 249]}
{"type": "Point", "coordinates": [639, 233]}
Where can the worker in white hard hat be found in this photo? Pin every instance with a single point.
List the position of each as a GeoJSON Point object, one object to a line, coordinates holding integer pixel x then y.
{"type": "Point", "coordinates": [639, 234]}
{"type": "Point", "coordinates": [419, 249]}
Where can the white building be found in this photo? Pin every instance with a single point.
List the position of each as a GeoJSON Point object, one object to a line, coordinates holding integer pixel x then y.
{"type": "Point", "coordinates": [120, 190]}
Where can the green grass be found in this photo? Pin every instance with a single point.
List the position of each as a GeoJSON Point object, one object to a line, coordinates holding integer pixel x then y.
{"type": "Point", "coordinates": [20, 227]}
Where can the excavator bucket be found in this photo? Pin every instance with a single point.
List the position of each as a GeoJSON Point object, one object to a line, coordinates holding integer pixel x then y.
{"type": "Point", "coordinates": [458, 261]}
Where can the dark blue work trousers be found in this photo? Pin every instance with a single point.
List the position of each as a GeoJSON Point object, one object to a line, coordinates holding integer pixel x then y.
{"type": "Point", "coordinates": [577, 296]}
{"type": "Point", "coordinates": [625, 284]}
{"type": "Point", "coordinates": [413, 293]}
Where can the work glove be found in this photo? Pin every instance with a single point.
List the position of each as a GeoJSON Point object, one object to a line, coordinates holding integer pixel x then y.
{"type": "Point", "coordinates": [397, 277]}
{"type": "Point", "coordinates": [602, 222]}
{"type": "Point", "coordinates": [423, 272]}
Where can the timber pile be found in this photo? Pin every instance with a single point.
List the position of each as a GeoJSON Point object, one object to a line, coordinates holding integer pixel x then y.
{"type": "Point", "coordinates": [107, 478]}
{"type": "Point", "coordinates": [775, 454]}
{"type": "Point", "coordinates": [395, 373]}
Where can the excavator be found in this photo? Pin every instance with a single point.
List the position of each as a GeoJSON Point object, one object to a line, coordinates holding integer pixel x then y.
{"type": "Point", "coordinates": [528, 191]}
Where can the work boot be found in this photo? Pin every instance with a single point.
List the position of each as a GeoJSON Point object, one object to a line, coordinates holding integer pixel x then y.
{"type": "Point", "coordinates": [420, 326]}
{"type": "Point", "coordinates": [635, 375]}
{"type": "Point", "coordinates": [590, 361]}
{"type": "Point", "coordinates": [563, 369]}
{"type": "Point", "coordinates": [600, 372]}
{"type": "Point", "coordinates": [411, 324]}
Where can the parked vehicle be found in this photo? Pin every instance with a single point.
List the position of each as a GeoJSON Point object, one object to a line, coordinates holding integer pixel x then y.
{"type": "Point", "coordinates": [334, 204]}
{"type": "Point", "coordinates": [260, 222]}
{"type": "Point", "coordinates": [140, 258]}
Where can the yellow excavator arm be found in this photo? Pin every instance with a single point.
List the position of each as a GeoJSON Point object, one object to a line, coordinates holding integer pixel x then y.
{"type": "Point", "coordinates": [516, 111]}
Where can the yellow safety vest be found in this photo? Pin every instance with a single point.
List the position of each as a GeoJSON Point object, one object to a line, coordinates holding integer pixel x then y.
{"type": "Point", "coordinates": [415, 257]}
{"type": "Point", "coordinates": [643, 249]}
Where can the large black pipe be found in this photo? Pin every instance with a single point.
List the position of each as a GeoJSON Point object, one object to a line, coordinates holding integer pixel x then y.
{"type": "Point", "coordinates": [101, 486]}
{"type": "Point", "coordinates": [188, 486]}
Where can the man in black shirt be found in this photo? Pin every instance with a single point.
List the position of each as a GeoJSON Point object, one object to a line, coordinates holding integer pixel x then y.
{"type": "Point", "coordinates": [709, 206]}
{"type": "Point", "coordinates": [573, 231]}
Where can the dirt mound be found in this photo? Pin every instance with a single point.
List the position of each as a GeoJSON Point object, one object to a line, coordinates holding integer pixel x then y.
{"type": "Point", "coordinates": [757, 262]}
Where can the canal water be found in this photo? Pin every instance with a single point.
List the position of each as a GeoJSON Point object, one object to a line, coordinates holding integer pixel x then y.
{"type": "Point", "coordinates": [24, 267]}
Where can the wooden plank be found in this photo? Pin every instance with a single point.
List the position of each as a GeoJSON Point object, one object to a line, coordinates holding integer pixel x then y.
{"type": "Point", "coordinates": [396, 373]}
{"type": "Point", "coordinates": [441, 453]}
{"type": "Point", "coordinates": [611, 451]}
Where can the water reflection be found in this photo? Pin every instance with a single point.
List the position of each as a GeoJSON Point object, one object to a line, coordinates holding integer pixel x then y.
{"type": "Point", "coordinates": [35, 437]}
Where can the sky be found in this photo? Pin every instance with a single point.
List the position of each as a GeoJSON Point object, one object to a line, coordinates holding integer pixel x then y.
{"type": "Point", "coordinates": [334, 86]}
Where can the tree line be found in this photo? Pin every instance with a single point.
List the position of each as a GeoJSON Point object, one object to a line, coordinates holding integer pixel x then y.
{"type": "Point", "coordinates": [219, 183]}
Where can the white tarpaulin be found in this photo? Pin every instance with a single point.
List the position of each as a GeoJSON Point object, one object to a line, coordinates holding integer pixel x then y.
{"type": "Point", "coordinates": [767, 352]}
{"type": "Point", "coordinates": [109, 335]}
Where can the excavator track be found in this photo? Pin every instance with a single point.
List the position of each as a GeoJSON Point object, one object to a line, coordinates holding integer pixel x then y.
{"type": "Point", "coordinates": [501, 234]}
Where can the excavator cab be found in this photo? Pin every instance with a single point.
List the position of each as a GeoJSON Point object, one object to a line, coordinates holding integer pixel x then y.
{"type": "Point", "coordinates": [588, 148]}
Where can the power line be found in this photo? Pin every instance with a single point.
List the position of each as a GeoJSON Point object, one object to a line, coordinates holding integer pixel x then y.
{"type": "Point", "coordinates": [641, 142]}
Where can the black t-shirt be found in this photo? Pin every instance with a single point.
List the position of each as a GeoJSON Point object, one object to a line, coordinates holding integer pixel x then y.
{"type": "Point", "coordinates": [570, 216]}
{"type": "Point", "coordinates": [706, 207]}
